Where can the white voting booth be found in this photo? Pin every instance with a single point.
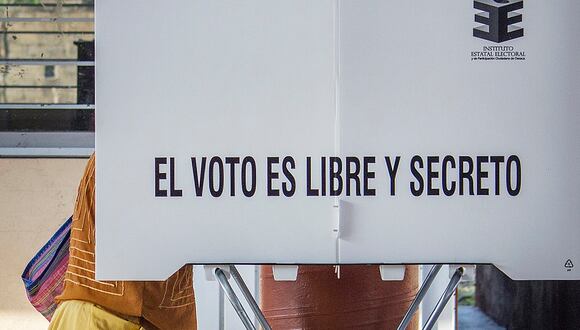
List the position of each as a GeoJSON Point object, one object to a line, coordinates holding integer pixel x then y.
{"type": "Point", "coordinates": [337, 132]}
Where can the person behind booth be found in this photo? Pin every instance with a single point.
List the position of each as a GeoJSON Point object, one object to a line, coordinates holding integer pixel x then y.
{"type": "Point", "coordinates": [86, 303]}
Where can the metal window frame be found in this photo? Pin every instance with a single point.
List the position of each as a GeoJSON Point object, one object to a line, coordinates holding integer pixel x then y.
{"type": "Point", "coordinates": [46, 144]}
{"type": "Point", "coordinates": [71, 144]}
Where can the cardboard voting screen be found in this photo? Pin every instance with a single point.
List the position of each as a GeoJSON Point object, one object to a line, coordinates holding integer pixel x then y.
{"type": "Point", "coordinates": [337, 132]}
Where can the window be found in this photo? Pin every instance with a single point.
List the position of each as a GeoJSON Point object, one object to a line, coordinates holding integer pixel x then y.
{"type": "Point", "coordinates": [49, 71]}
{"type": "Point", "coordinates": [46, 77]}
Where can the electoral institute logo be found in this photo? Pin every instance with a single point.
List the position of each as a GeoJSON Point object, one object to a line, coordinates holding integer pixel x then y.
{"type": "Point", "coordinates": [498, 18]}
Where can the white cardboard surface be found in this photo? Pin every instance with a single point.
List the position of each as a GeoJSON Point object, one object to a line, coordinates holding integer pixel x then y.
{"type": "Point", "coordinates": [328, 78]}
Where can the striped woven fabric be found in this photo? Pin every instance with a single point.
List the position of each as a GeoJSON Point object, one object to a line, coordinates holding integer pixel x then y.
{"type": "Point", "coordinates": [44, 275]}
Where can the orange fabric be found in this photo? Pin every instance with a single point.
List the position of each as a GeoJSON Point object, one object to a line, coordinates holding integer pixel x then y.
{"type": "Point", "coordinates": [164, 305]}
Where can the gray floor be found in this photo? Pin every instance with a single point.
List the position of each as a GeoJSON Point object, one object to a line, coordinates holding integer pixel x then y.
{"type": "Point", "coordinates": [471, 318]}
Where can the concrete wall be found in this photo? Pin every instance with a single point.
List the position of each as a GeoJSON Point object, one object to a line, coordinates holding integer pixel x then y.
{"type": "Point", "coordinates": [36, 197]}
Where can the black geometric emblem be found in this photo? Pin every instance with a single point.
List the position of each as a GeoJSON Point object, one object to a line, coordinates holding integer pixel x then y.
{"type": "Point", "coordinates": [569, 265]}
{"type": "Point", "coordinates": [498, 17]}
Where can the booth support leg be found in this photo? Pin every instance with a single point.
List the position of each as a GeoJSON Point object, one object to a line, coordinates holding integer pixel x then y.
{"type": "Point", "coordinates": [249, 298]}
{"type": "Point", "coordinates": [447, 294]}
{"type": "Point", "coordinates": [223, 281]}
{"type": "Point", "coordinates": [419, 297]}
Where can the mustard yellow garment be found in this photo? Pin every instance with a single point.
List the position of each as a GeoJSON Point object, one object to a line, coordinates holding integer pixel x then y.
{"type": "Point", "coordinates": [77, 314]}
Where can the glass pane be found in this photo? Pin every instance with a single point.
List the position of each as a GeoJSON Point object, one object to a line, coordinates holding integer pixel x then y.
{"type": "Point", "coordinates": [46, 62]}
